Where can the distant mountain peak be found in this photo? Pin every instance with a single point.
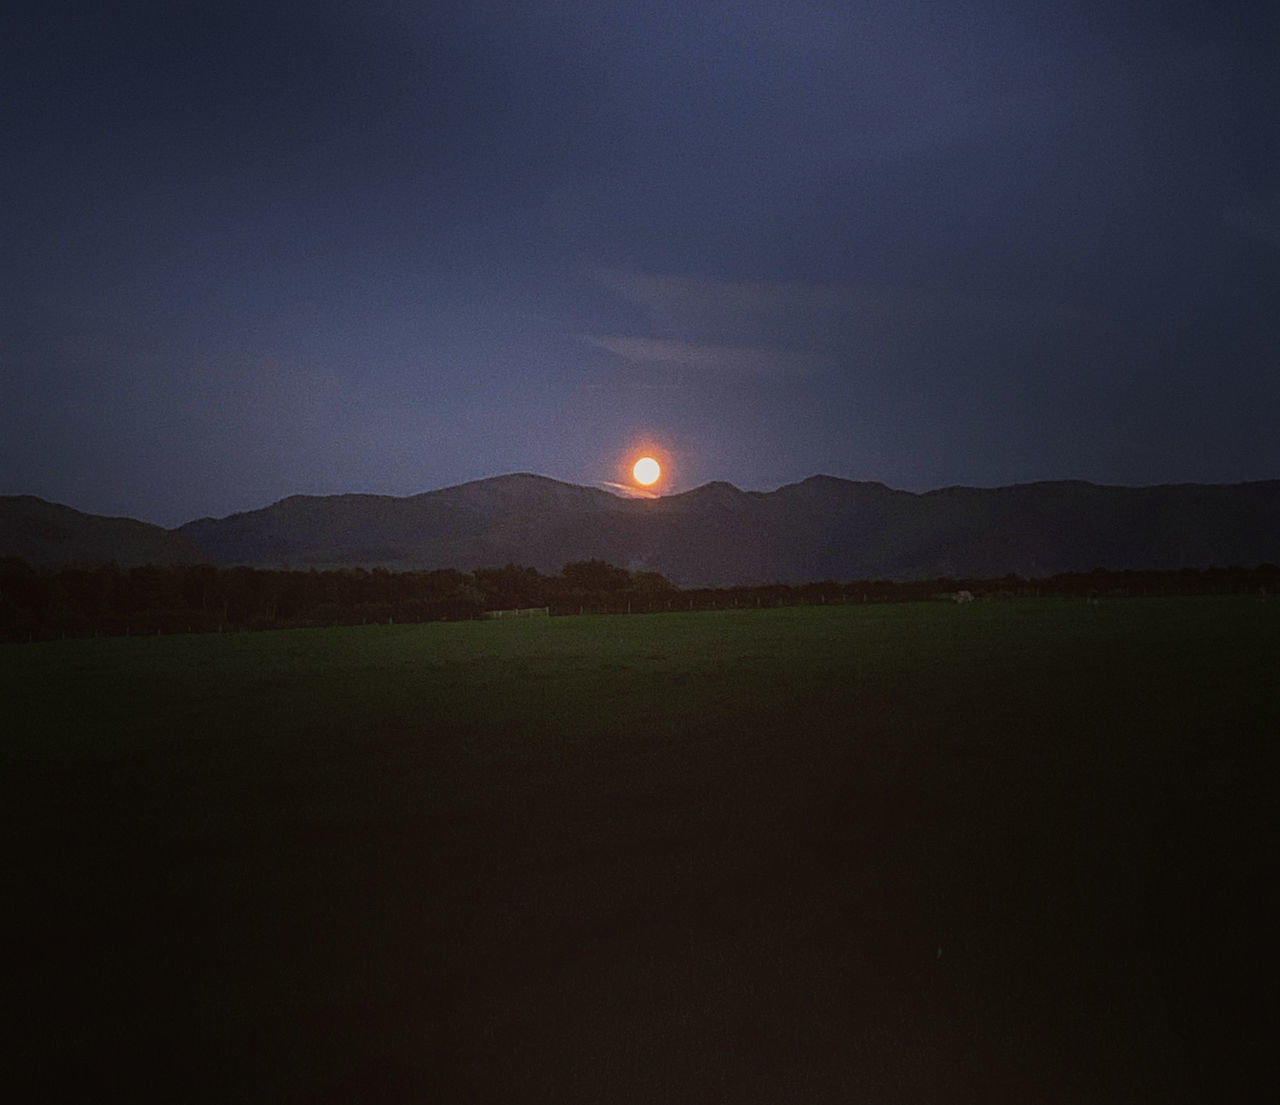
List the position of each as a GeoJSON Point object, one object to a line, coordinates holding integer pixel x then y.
{"type": "Point", "coordinates": [708, 490]}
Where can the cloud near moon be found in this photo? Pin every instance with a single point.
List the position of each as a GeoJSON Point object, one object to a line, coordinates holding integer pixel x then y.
{"type": "Point", "coordinates": [645, 469]}
{"type": "Point", "coordinates": [629, 490]}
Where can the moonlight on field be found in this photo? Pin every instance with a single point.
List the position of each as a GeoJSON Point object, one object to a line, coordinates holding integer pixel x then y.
{"type": "Point", "coordinates": [646, 471]}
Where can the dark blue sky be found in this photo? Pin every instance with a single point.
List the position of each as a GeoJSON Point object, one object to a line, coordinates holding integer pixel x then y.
{"type": "Point", "coordinates": [251, 250]}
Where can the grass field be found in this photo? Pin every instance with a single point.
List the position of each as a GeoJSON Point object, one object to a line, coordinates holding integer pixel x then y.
{"type": "Point", "coordinates": [1012, 851]}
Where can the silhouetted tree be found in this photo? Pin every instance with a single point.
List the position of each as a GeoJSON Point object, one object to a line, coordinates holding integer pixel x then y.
{"type": "Point", "coordinates": [595, 577]}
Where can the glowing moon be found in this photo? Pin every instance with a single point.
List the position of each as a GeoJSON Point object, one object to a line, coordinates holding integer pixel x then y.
{"type": "Point", "coordinates": [646, 471]}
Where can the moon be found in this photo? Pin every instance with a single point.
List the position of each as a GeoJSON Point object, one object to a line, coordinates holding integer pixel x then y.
{"type": "Point", "coordinates": [646, 471]}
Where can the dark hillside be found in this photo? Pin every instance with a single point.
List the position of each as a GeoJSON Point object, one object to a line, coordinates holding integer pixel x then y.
{"type": "Point", "coordinates": [716, 535]}
{"type": "Point", "coordinates": [40, 532]}
{"type": "Point", "coordinates": [473, 525]}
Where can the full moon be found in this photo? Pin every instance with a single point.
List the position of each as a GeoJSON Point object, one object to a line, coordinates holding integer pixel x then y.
{"type": "Point", "coordinates": [646, 471]}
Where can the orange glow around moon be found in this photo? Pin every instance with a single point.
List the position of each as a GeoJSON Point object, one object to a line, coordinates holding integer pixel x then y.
{"type": "Point", "coordinates": [646, 471]}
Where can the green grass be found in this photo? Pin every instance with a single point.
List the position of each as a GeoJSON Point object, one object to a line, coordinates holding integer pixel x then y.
{"type": "Point", "coordinates": [1007, 851]}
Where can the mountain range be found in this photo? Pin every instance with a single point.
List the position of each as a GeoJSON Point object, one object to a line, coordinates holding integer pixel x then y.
{"type": "Point", "coordinates": [713, 535]}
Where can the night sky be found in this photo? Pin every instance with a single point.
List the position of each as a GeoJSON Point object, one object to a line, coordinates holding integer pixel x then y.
{"type": "Point", "coordinates": [253, 250]}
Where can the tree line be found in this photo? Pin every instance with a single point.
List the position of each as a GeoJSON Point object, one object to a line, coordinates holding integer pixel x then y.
{"type": "Point", "coordinates": [43, 603]}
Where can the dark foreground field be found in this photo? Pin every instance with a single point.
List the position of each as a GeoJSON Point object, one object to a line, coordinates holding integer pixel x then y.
{"type": "Point", "coordinates": [1005, 852]}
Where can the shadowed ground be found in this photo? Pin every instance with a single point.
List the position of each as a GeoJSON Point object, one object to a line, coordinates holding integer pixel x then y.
{"type": "Point", "coordinates": [1003, 852]}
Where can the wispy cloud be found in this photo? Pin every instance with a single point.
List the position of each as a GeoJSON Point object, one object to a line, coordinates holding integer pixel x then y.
{"type": "Point", "coordinates": [737, 360]}
{"type": "Point", "coordinates": [708, 309]}
{"type": "Point", "coordinates": [628, 492]}
{"type": "Point", "coordinates": [716, 327]}
{"type": "Point", "coordinates": [781, 310]}
{"type": "Point", "coordinates": [794, 329]}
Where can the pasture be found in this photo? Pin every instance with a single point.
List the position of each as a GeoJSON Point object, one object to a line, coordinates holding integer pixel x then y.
{"type": "Point", "coordinates": [1006, 851]}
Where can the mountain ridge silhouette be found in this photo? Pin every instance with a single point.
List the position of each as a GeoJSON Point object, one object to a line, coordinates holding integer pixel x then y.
{"type": "Point", "coordinates": [822, 527]}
